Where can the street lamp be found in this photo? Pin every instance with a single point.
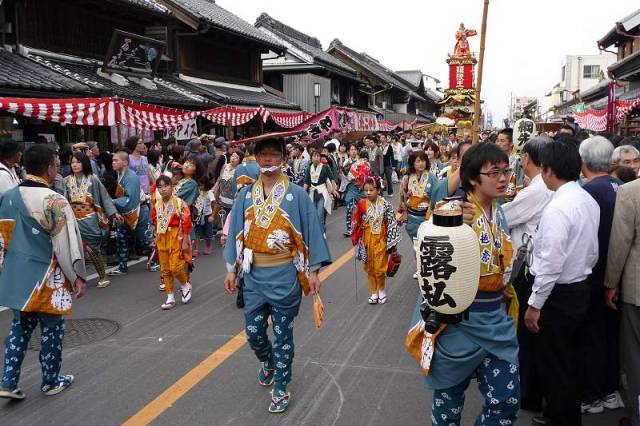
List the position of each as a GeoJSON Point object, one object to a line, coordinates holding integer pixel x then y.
{"type": "Point", "coordinates": [316, 96]}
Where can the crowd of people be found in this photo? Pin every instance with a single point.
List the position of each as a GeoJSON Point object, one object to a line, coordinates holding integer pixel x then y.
{"type": "Point", "coordinates": [558, 304]}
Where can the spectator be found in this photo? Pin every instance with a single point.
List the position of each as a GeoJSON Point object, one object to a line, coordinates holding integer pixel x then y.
{"type": "Point", "coordinates": [627, 156]}
{"type": "Point", "coordinates": [10, 156]}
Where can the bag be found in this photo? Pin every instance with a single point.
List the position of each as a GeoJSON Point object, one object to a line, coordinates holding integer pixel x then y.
{"type": "Point", "coordinates": [393, 264]}
{"type": "Point", "coordinates": [421, 345]}
{"type": "Point", "coordinates": [318, 311]}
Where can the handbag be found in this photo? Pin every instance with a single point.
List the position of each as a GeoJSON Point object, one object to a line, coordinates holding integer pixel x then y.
{"type": "Point", "coordinates": [394, 264]}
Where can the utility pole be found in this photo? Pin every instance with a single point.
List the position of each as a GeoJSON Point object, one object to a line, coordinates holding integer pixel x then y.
{"type": "Point", "coordinates": [476, 106]}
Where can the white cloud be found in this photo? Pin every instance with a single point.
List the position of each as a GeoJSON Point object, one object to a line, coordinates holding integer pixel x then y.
{"type": "Point", "coordinates": [525, 44]}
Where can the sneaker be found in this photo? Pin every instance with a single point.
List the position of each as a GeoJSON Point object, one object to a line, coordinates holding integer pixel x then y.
{"type": "Point", "coordinates": [280, 402]}
{"type": "Point", "coordinates": [185, 292]}
{"type": "Point", "coordinates": [266, 376]}
{"type": "Point", "coordinates": [154, 267]}
{"type": "Point", "coordinates": [596, 407]}
{"type": "Point", "coordinates": [63, 383]}
{"type": "Point", "coordinates": [116, 272]}
{"type": "Point", "coordinates": [16, 394]}
{"type": "Point", "coordinates": [613, 401]}
{"type": "Point", "coordinates": [103, 283]}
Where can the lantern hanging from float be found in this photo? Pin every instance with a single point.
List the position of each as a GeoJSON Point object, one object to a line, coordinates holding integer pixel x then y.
{"type": "Point", "coordinates": [448, 258]}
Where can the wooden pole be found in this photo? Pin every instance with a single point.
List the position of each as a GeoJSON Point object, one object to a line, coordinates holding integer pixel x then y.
{"type": "Point", "coordinates": [476, 105]}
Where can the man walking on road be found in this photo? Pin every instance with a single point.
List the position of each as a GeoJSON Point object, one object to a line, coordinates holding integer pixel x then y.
{"type": "Point", "coordinates": [276, 244]}
{"type": "Point", "coordinates": [44, 242]}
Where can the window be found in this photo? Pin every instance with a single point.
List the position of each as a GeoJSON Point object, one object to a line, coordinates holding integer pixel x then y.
{"type": "Point", "coordinates": [563, 71]}
{"type": "Point", "coordinates": [591, 71]}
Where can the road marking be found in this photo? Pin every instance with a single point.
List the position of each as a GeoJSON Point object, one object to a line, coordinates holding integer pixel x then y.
{"type": "Point", "coordinates": [94, 276]}
{"type": "Point", "coordinates": [187, 382]}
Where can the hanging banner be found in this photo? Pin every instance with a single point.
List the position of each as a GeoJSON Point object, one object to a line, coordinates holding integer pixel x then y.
{"type": "Point", "coordinates": [523, 130]}
{"type": "Point", "coordinates": [186, 130]}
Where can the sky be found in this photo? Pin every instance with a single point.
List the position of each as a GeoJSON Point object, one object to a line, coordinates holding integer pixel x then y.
{"type": "Point", "coordinates": [525, 43]}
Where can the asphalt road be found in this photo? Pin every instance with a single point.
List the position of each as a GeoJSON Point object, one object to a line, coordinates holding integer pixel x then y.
{"type": "Point", "coordinates": [191, 366]}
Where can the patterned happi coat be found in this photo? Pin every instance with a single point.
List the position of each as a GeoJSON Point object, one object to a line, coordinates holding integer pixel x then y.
{"type": "Point", "coordinates": [41, 248]}
{"type": "Point", "coordinates": [285, 226]}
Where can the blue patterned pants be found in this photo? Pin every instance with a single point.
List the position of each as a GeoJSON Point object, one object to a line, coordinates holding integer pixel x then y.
{"type": "Point", "coordinates": [52, 330]}
{"type": "Point", "coordinates": [278, 356]}
{"type": "Point", "coordinates": [124, 236]}
{"type": "Point", "coordinates": [349, 215]}
{"type": "Point", "coordinates": [499, 383]}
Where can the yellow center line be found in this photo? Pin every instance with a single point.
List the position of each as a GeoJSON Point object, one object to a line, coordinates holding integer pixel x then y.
{"type": "Point", "coordinates": [173, 393]}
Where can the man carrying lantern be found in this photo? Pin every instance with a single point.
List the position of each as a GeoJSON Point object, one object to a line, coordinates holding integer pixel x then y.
{"type": "Point", "coordinates": [482, 343]}
{"type": "Point", "coordinates": [277, 244]}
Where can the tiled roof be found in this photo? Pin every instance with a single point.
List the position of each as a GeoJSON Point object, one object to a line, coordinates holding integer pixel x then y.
{"type": "Point", "coordinates": [243, 97]}
{"type": "Point", "coordinates": [215, 15]}
{"type": "Point", "coordinates": [86, 72]}
{"type": "Point", "coordinates": [150, 4]}
{"type": "Point", "coordinates": [18, 72]}
{"type": "Point", "coordinates": [374, 66]}
{"type": "Point", "coordinates": [414, 77]}
{"type": "Point", "coordinates": [309, 45]}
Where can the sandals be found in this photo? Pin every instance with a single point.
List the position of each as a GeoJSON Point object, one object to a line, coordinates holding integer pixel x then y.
{"type": "Point", "coordinates": [266, 376]}
{"type": "Point", "coordinates": [15, 394]}
{"type": "Point", "coordinates": [168, 306]}
{"type": "Point", "coordinates": [279, 404]}
{"type": "Point", "coordinates": [373, 300]}
{"type": "Point", "coordinates": [382, 300]}
{"type": "Point", "coordinates": [185, 292]}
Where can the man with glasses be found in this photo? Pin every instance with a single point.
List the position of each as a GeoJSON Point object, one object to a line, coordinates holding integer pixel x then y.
{"type": "Point", "coordinates": [565, 252]}
{"type": "Point", "coordinates": [483, 346]}
{"type": "Point", "coordinates": [523, 216]}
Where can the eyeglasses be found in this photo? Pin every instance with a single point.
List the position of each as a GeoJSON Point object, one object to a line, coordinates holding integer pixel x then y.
{"type": "Point", "coordinates": [494, 174]}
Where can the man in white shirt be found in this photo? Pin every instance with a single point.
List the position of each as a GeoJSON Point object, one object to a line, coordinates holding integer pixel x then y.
{"type": "Point", "coordinates": [10, 156]}
{"type": "Point", "coordinates": [565, 252]}
{"type": "Point", "coordinates": [523, 215]}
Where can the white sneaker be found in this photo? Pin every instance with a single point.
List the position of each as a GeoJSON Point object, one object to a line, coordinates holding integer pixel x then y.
{"type": "Point", "coordinates": [103, 283]}
{"type": "Point", "coordinates": [613, 401]}
{"type": "Point", "coordinates": [596, 407]}
{"type": "Point", "coordinates": [185, 292]}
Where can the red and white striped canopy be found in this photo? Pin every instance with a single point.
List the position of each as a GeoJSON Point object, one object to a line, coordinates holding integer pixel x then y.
{"type": "Point", "coordinates": [113, 111]}
{"type": "Point", "coordinates": [594, 120]}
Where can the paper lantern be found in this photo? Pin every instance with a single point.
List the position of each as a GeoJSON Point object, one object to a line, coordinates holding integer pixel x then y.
{"type": "Point", "coordinates": [448, 258]}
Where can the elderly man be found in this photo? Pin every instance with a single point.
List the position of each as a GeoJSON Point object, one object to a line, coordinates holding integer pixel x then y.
{"type": "Point", "coordinates": [626, 156]}
{"type": "Point", "coordinates": [623, 264]}
{"type": "Point", "coordinates": [598, 342]}
{"type": "Point", "coordinates": [45, 247]}
{"type": "Point", "coordinates": [523, 216]}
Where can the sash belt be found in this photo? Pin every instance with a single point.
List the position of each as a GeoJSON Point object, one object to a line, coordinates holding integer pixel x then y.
{"type": "Point", "coordinates": [267, 259]}
{"type": "Point", "coordinates": [487, 301]}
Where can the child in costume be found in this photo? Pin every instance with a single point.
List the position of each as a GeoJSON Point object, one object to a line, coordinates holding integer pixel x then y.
{"type": "Point", "coordinates": [173, 228]}
{"type": "Point", "coordinates": [375, 233]}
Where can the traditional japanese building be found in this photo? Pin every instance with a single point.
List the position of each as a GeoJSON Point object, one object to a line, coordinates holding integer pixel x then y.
{"type": "Point", "coordinates": [187, 54]}
{"type": "Point", "coordinates": [306, 74]}
{"type": "Point", "coordinates": [388, 94]}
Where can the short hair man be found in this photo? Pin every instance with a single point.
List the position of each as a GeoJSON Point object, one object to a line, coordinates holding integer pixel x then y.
{"type": "Point", "coordinates": [274, 280]}
{"type": "Point", "coordinates": [627, 156]}
{"type": "Point", "coordinates": [10, 156]}
{"type": "Point", "coordinates": [484, 174]}
{"type": "Point", "coordinates": [565, 250]}
{"type": "Point", "coordinates": [43, 225]}
{"type": "Point", "coordinates": [516, 182]}
{"type": "Point", "coordinates": [567, 129]}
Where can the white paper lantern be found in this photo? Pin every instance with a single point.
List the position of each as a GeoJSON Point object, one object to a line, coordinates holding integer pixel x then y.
{"type": "Point", "coordinates": [448, 259]}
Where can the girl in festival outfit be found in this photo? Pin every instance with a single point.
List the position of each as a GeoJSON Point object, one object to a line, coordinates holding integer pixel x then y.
{"type": "Point", "coordinates": [319, 181]}
{"type": "Point", "coordinates": [203, 219]}
{"type": "Point", "coordinates": [358, 171]}
{"type": "Point", "coordinates": [173, 227]}
{"type": "Point", "coordinates": [419, 191]}
{"type": "Point", "coordinates": [375, 232]}
{"type": "Point", "coordinates": [187, 187]}
{"type": "Point", "coordinates": [92, 207]}
{"type": "Point", "coordinates": [223, 189]}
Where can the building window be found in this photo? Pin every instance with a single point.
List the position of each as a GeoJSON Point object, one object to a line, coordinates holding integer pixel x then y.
{"type": "Point", "coordinates": [563, 71]}
{"type": "Point", "coordinates": [591, 71]}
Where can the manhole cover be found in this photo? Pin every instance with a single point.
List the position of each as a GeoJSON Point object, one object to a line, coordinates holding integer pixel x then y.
{"type": "Point", "coordinates": [80, 332]}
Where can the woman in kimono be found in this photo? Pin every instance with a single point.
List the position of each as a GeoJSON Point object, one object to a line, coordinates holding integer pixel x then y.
{"type": "Point", "coordinates": [223, 188]}
{"type": "Point", "coordinates": [433, 154]}
{"type": "Point", "coordinates": [375, 233]}
{"type": "Point", "coordinates": [358, 172]}
{"type": "Point", "coordinates": [319, 181]}
{"type": "Point", "coordinates": [92, 207]}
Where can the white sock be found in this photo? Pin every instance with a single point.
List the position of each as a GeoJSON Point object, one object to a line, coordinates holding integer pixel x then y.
{"type": "Point", "coordinates": [185, 285]}
{"type": "Point", "coordinates": [381, 294]}
{"type": "Point", "coordinates": [170, 298]}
